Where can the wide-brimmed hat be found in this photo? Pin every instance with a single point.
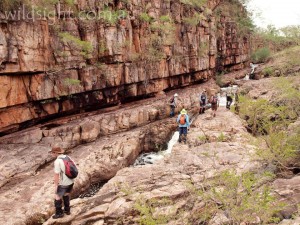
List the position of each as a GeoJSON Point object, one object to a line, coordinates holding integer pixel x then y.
{"type": "Point", "coordinates": [183, 111]}
{"type": "Point", "coordinates": [57, 150]}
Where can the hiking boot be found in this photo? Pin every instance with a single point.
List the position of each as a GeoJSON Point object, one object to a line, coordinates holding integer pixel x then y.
{"type": "Point", "coordinates": [58, 210]}
{"type": "Point", "coordinates": [66, 204]}
{"type": "Point", "coordinates": [56, 216]}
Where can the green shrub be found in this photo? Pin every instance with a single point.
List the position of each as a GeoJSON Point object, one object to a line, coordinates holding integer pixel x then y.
{"type": "Point", "coordinates": [148, 213]}
{"type": "Point", "coordinates": [241, 197]}
{"type": "Point", "coordinates": [111, 17]}
{"type": "Point", "coordinates": [145, 17]}
{"type": "Point", "coordinates": [269, 121]}
{"type": "Point", "coordinates": [165, 18]}
{"type": "Point", "coordinates": [269, 71]}
{"type": "Point", "coordinates": [85, 47]}
{"type": "Point", "coordinates": [261, 55]}
{"type": "Point", "coordinates": [194, 20]}
{"type": "Point", "coordinates": [194, 3]}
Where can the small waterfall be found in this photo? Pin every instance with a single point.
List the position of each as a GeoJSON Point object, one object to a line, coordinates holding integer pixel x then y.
{"type": "Point", "coordinates": [223, 100]}
{"type": "Point", "coordinates": [172, 142]}
{"type": "Point", "coordinates": [152, 157]}
{"type": "Point", "coordinates": [247, 77]}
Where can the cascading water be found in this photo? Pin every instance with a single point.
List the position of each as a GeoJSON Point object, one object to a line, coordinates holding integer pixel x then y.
{"type": "Point", "coordinates": [152, 157]}
{"type": "Point", "coordinates": [223, 100]}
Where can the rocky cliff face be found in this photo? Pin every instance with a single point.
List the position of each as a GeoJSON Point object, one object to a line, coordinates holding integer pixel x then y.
{"type": "Point", "coordinates": [50, 67]}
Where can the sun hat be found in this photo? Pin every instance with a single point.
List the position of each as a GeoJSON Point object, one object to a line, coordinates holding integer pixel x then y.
{"type": "Point", "coordinates": [57, 150]}
{"type": "Point", "coordinates": [183, 111]}
{"type": "Point", "coordinates": [175, 95]}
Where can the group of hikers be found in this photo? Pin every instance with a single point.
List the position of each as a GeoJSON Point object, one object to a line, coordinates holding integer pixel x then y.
{"type": "Point", "coordinates": [65, 170]}
{"type": "Point", "coordinates": [212, 102]}
{"type": "Point", "coordinates": [206, 102]}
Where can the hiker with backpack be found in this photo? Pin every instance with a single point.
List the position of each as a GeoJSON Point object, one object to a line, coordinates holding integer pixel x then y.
{"type": "Point", "coordinates": [229, 97]}
{"type": "Point", "coordinates": [214, 101]}
{"type": "Point", "coordinates": [173, 104]}
{"type": "Point", "coordinates": [236, 100]}
{"type": "Point", "coordinates": [64, 173]}
{"type": "Point", "coordinates": [184, 123]}
{"type": "Point", "coordinates": [203, 101]}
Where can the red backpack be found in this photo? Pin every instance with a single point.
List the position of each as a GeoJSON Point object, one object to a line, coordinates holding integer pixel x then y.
{"type": "Point", "coordinates": [214, 100]}
{"type": "Point", "coordinates": [71, 170]}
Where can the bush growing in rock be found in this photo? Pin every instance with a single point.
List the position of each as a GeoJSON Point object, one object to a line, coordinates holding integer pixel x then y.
{"type": "Point", "coordinates": [239, 198]}
{"type": "Point", "coordinates": [261, 55]}
{"type": "Point", "coordinates": [270, 120]}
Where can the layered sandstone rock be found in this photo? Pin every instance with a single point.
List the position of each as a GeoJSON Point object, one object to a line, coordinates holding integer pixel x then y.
{"type": "Point", "coordinates": [88, 127]}
{"type": "Point", "coordinates": [49, 68]}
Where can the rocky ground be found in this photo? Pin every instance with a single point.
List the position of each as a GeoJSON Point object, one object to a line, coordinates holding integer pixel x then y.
{"type": "Point", "coordinates": [214, 145]}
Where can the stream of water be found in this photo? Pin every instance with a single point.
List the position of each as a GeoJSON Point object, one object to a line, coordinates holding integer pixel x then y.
{"type": "Point", "coordinates": [152, 157]}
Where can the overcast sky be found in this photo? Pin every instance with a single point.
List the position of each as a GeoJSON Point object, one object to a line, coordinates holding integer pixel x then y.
{"type": "Point", "coordinates": [277, 12]}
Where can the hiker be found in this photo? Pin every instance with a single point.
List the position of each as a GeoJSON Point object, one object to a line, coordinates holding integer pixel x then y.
{"type": "Point", "coordinates": [252, 66]}
{"type": "Point", "coordinates": [184, 124]}
{"type": "Point", "coordinates": [203, 101]}
{"type": "Point", "coordinates": [214, 101]}
{"type": "Point", "coordinates": [236, 100]}
{"type": "Point", "coordinates": [63, 184]}
{"type": "Point", "coordinates": [229, 97]}
{"type": "Point", "coordinates": [173, 104]}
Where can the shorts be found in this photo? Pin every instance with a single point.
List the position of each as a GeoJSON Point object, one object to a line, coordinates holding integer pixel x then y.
{"type": "Point", "coordinates": [182, 130]}
{"type": "Point", "coordinates": [62, 190]}
{"type": "Point", "coordinates": [214, 107]}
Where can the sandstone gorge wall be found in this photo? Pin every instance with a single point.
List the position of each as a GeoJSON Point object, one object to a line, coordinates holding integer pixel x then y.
{"type": "Point", "coordinates": [50, 68]}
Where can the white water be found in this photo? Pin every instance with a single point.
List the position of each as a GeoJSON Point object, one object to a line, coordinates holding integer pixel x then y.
{"type": "Point", "coordinates": [172, 142]}
{"type": "Point", "coordinates": [247, 77]}
{"type": "Point", "coordinates": [152, 157]}
{"type": "Point", "coordinates": [234, 88]}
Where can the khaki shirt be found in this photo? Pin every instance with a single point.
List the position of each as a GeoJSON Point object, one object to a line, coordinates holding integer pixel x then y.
{"type": "Point", "coordinates": [59, 168]}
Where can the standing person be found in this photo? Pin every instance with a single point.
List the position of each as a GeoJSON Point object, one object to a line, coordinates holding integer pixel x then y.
{"type": "Point", "coordinates": [184, 123]}
{"type": "Point", "coordinates": [252, 66]}
{"type": "Point", "coordinates": [203, 101]}
{"type": "Point", "coordinates": [236, 100]}
{"type": "Point", "coordinates": [214, 101]}
{"type": "Point", "coordinates": [173, 104]}
{"type": "Point", "coordinates": [63, 184]}
{"type": "Point", "coordinates": [229, 97]}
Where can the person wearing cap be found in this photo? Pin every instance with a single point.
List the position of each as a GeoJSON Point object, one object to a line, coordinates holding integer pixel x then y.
{"type": "Point", "coordinates": [173, 104]}
{"type": "Point", "coordinates": [63, 184]}
{"type": "Point", "coordinates": [184, 124]}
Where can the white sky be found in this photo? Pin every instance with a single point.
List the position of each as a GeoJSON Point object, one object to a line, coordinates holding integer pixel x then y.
{"type": "Point", "coordinates": [280, 13]}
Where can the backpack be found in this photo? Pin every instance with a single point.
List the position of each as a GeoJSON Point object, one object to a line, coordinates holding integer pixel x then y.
{"type": "Point", "coordinates": [172, 100]}
{"type": "Point", "coordinates": [71, 170]}
{"type": "Point", "coordinates": [182, 120]}
{"type": "Point", "coordinates": [203, 97]}
{"type": "Point", "coordinates": [214, 100]}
